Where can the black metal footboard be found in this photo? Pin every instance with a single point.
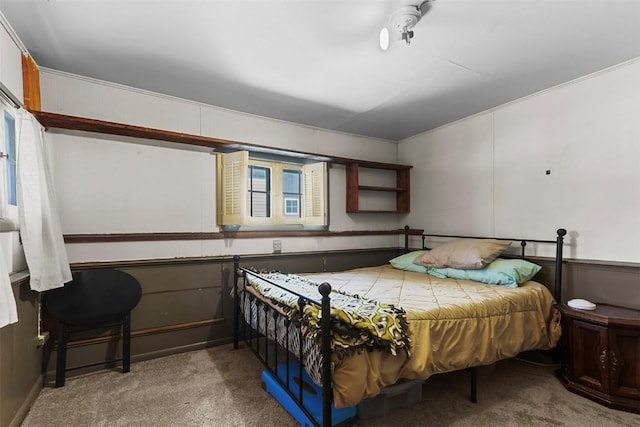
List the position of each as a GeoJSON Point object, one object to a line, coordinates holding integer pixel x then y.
{"type": "Point", "coordinates": [271, 337]}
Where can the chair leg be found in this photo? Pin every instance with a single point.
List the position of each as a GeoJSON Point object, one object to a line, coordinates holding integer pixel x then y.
{"type": "Point", "coordinates": [126, 343]}
{"type": "Point", "coordinates": [61, 364]}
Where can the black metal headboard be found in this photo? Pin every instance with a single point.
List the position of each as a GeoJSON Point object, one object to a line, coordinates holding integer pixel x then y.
{"type": "Point", "coordinates": [559, 242]}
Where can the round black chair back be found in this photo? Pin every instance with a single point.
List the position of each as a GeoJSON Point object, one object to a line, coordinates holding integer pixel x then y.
{"type": "Point", "coordinates": [94, 297]}
{"type": "Point", "coordinates": [91, 299]}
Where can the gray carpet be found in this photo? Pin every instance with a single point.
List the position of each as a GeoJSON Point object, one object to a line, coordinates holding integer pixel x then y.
{"type": "Point", "coordinates": [221, 387]}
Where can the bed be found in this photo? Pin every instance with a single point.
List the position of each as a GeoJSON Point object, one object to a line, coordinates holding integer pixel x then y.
{"type": "Point", "coordinates": [430, 323]}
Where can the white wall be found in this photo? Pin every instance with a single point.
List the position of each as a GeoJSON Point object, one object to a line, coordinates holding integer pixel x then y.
{"type": "Point", "coordinates": [84, 97]}
{"type": "Point", "coordinates": [10, 63]}
{"type": "Point", "coordinates": [486, 175]}
{"type": "Point", "coordinates": [105, 185]}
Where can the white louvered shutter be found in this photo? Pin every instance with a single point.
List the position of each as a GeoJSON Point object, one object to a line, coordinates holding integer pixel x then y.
{"type": "Point", "coordinates": [233, 200]}
{"type": "Point", "coordinates": [315, 199]}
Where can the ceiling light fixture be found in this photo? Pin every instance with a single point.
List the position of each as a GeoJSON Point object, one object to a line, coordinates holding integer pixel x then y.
{"type": "Point", "coordinates": [401, 22]}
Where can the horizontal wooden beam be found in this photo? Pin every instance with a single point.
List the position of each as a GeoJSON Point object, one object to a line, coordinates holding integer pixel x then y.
{"type": "Point", "coordinates": [74, 123]}
{"type": "Point", "coordinates": [159, 237]}
{"type": "Point", "coordinates": [139, 237]}
{"type": "Point", "coordinates": [142, 333]}
{"type": "Point", "coordinates": [212, 259]}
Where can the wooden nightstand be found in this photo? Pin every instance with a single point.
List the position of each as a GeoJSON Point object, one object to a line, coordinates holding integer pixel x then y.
{"type": "Point", "coordinates": [600, 355]}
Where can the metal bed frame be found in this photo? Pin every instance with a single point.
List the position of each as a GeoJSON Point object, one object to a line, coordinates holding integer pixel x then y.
{"type": "Point", "coordinates": [253, 337]}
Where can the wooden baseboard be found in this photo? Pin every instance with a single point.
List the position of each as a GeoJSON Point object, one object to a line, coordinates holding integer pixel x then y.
{"type": "Point", "coordinates": [22, 412]}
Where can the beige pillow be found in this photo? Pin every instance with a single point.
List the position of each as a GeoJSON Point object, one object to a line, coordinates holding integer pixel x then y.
{"type": "Point", "coordinates": [468, 254]}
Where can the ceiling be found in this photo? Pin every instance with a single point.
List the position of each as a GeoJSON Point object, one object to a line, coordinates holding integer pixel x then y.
{"type": "Point", "coordinates": [317, 62]}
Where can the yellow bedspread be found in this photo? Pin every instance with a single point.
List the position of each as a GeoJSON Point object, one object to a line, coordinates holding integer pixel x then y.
{"type": "Point", "coordinates": [453, 324]}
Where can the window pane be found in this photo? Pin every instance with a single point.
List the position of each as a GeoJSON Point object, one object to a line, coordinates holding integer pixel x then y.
{"type": "Point", "coordinates": [291, 181]}
{"type": "Point", "coordinates": [10, 147]}
{"type": "Point", "coordinates": [259, 177]}
{"type": "Point", "coordinates": [259, 205]}
{"type": "Point", "coordinates": [292, 206]}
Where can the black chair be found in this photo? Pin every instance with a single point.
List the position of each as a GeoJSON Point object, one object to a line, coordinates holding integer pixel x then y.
{"type": "Point", "coordinates": [92, 299]}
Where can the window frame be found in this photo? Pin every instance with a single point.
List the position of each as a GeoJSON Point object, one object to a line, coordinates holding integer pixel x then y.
{"type": "Point", "coordinates": [8, 211]}
{"type": "Point", "coordinates": [292, 196]}
{"type": "Point", "coordinates": [271, 198]}
{"type": "Point", "coordinates": [239, 216]}
{"type": "Point", "coordinates": [268, 191]}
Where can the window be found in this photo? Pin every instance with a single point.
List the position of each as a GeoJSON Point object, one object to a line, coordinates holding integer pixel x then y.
{"type": "Point", "coordinates": [267, 193]}
{"type": "Point", "coordinates": [9, 205]}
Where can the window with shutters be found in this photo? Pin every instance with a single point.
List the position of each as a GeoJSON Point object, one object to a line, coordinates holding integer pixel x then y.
{"type": "Point", "coordinates": [255, 192]}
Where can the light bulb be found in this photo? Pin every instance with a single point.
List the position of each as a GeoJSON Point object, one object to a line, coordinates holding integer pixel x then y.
{"type": "Point", "coordinates": [384, 38]}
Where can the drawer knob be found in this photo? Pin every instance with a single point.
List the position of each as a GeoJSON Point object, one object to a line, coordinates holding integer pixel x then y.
{"type": "Point", "coordinates": [603, 359]}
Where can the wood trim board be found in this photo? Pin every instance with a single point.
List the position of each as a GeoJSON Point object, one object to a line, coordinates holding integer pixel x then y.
{"type": "Point", "coordinates": [156, 237]}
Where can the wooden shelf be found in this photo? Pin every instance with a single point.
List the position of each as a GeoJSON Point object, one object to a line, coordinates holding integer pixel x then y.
{"type": "Point", "coordinates": [402, 189]}
{"type": "Point", "coordinates": [83, 124]}
{"type": "Point", "coordinates": [376, 211]}
{"type": "Point", "coordinates": [372, 188]}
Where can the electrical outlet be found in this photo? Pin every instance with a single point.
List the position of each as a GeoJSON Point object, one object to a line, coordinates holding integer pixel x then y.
{"type": "Point", "coordinates": [277, 246]}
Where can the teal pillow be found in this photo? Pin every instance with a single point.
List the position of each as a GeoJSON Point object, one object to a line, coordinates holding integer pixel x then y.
{"type": "Point", "coordinates": [505, 272]}
{"type": "Point", "coordinates": [405, 262]}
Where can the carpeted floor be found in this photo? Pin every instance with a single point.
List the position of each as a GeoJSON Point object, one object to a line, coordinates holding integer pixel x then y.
{"type": "Point", "coordinates": [221, 387]}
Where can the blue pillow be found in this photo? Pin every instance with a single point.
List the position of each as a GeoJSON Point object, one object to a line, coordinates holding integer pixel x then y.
{"type": "Point", "coordinates": [505, 272]}
{"type": "Point", "coordinates": [405, 262]}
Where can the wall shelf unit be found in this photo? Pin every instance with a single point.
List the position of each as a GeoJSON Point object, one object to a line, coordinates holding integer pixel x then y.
{"type": "Point", "coordinates": [401, 188]}
{"type": "Point", "coordinates": [402, 172]}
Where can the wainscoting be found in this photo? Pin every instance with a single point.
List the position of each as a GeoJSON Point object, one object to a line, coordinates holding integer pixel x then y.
{"type": "Point", "coordinates": [20, 356]}
{"type": "Point", "coordinates": [186, 305]}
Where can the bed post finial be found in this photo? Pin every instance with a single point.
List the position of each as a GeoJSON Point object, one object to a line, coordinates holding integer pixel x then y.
{"type": "Point", "coordinates": [558, 276]}
{"type": "Point", "coordinates": [406, 237]}
{"type": "Point", "coordinates": [324, 289]}
{"type": "Point", "coordinates": [325, 328]}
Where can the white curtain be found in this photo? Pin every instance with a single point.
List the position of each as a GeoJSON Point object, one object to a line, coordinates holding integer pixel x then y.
{"type": "Point", "coordinates": [8, 313]}
{"type": "Point", "coordinates": [39, 222]}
